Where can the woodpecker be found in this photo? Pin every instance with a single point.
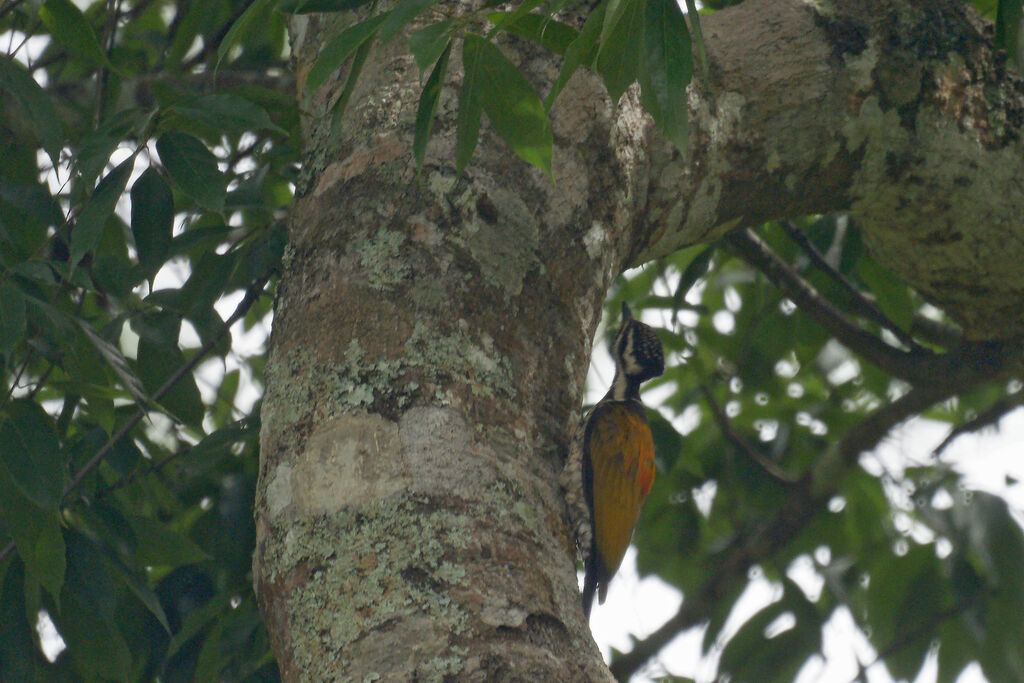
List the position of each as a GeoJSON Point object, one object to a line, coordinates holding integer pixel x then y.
{"type": "Point", "coordinates": [612, 456]}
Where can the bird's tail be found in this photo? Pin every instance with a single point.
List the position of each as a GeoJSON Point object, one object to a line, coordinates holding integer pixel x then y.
{"type": "Point", "coordinates": [590, 584]}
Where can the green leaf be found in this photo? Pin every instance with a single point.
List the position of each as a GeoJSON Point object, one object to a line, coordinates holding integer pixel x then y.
{"type": "Point", "coordinates": [36, 534]}
{"type": "Point", "coordinates": [581, 52]}
{"type": "Point", "coordinates": [427, 106]}
{"type": "Point", "coordinates": [87, 620]}
{"type": "Point", "coordinates": [209, 662]}
{"type": "Point", "coordinates": [159, 546]}
{"type": "Point", "coordinates": [669, 65]}
{"type": "Point", "coordinates": [339, 49]}
{"type": "Point", "coordinates": [138, 586]}
{"type": "Point", "coordinates": [512, 106]}
{"type": "Point", "coordinates": [197, 620]}
{"type": "Point", "coordinates": [467, 127]}
{"type": "Point", "coordinates": [893, 296]}
{"type": "Point", "coordinates": [152, 219]}
{"type": "Point", "coordinates": [404, 12]}
{"type": "Point", "coordinates": [501, 19]}
{"type": "Point", "coordinates": [555, 36]}
{"type": "Point", "coordinates": [193, 168]}
{"type": "Point", "coordinates": [427, 44]}
{"type": "Point", "coordinates": [225, 112]}
{"type": "Point", "coordinates": [256, 12]}
{"type": "Point", "coordinates": [209, 279]}
{"type": "Point", "coordinates": [156, 362]}
{"type": "Point", "coordinates": [338, 108]}
{"type": "Point", "coordinates": [208, 453]}
{"type": "Point", "coordinates": [17, 649]}
{"type": "Point", "coordinates": [29, 212]}
{"type": "Point", "coordinates": [36, 106]}
{"type": "Point", "coordinates": [93, 217]}
{"type": "Point", "coordinates": [311, 6]}
{"type": "Point", "coordinates": [117, 362]}
{"type": "Point", "coordinates": [12, 316]}
{"type": "Point", "coordinates": [30, 451]}
{"type": "Point", "coordinates": [90, 157]}
{"type": "Point", "coordinates": [70, 28]}
{"type": "Point", "coordinates": [622, 37]}
{"type": "Point", "coordinates": [695, 270]}
{"type": "Point", "coordinates": [1008, 18]}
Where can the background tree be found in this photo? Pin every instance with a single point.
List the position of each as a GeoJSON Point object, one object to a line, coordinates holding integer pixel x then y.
{"type": "Point", "coordinates": [434, 318]}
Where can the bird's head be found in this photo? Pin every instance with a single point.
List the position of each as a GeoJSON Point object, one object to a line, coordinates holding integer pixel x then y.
{"type": "Point", "coordinates": [637, 350]}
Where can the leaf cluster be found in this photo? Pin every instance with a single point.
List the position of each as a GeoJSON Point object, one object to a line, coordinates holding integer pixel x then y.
{"type": "Point", "coordinates": [624, 41]}
{"type": "Point", "coordinates": [755, 482]}
{"type": "Point", "coordinates": [148, 153]}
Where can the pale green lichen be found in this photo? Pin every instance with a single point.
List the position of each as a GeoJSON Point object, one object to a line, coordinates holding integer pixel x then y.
{"type": "Point", "coordinates": [439, 668]}
{"type": "Point", "coordinates": [381, 258]}
{"type": "Point", "coordinates": [348, 558]}
{"type": "Point", "coordinates": [461, 359]}
{"type": "Point", "coordinates": [353, 383]}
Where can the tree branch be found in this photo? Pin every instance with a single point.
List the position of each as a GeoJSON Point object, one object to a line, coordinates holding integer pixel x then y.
{"type": "Point", "coordinates": [778, 137]}
{"type": "Point", "coordinates": [741, 444]}
{"type": "Point", "coordinates": [867, 306]}
{"type": "Point", "coordinates": [986, 418]}
{"type": "Point", "coordinates": [969, 362]}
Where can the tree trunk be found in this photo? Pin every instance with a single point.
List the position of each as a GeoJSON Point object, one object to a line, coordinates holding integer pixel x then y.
{"type": "Point", "coordinates": [431, 340]}
{"type": "Point", "coordinates": [432, 334]}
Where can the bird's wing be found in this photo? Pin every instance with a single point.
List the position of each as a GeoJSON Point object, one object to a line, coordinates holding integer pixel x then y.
{"type": "Point", "coordinates": [621, 452]}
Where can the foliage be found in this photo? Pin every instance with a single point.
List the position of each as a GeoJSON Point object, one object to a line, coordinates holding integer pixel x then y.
{"type": "Point", "coordinates": [147, 153]}
{"type": "Point", "coordinates": [625, 41]}
{"type": "Point", "coordinates": [141, 199]}
{"type": "Point", "coordinates": [922, 562]}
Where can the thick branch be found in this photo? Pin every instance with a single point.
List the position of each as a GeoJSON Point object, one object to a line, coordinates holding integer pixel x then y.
{"type": "Point", "coordinates": [912, 129]}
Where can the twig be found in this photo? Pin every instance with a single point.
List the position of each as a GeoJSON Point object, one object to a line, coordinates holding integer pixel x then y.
{"type": "Point", "coordinates": [17, 378]}
{"type": "Point", "coordinates": [101, 72]}
{"type": "Point", "coordinates": [740, 444]}
{"type": "Point", "coordinates": [867, 307]}
{"type": "Point", "coordinates": [141, 472]}
{"type": "Point", "coordinates": [986, 418]}
{"type": "Point", "coordinates": [28, 35]}
{"type": "Point", "coordinates": [968, 363]}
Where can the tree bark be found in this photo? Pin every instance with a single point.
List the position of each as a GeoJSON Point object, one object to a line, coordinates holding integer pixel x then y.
{"type": "Point", "coordinates": [430, 344]}
{"type": "Point", "coordinates": [432, 334]}
{"type": "Point", "coordinates": [899, 113]}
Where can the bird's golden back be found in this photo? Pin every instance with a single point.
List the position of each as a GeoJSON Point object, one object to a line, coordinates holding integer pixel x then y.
{"type": "Point", "coordinates": [620, 450]}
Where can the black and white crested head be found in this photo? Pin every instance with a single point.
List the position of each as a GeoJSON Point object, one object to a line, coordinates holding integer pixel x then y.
{"type": "Point", "coordinates": [638, 356]}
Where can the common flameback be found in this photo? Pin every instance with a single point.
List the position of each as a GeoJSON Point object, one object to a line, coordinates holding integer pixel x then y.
{"type": "Point", "coordinates": [613, 454]}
